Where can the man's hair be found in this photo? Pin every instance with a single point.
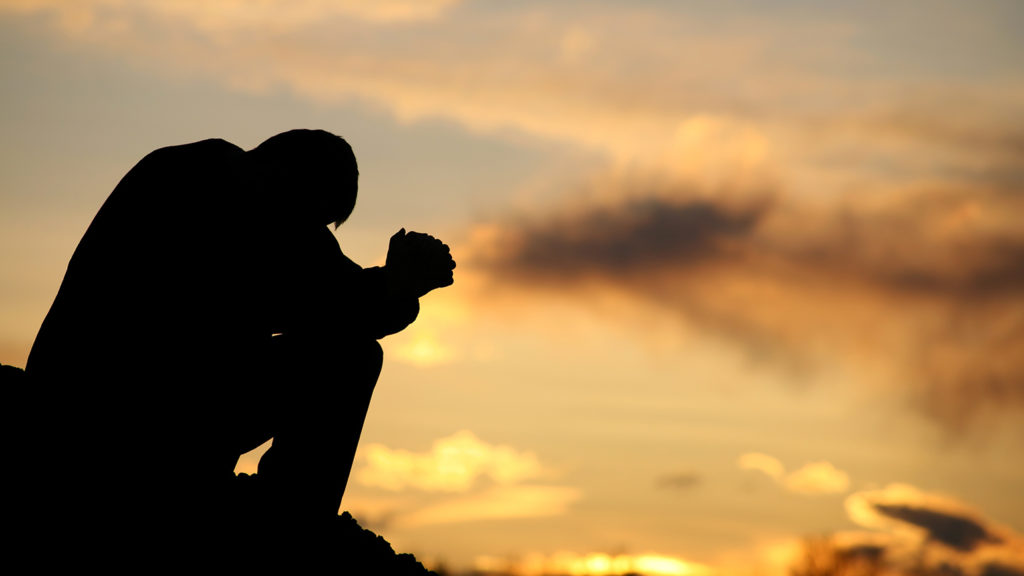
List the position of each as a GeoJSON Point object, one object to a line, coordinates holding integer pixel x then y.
{"type": "Point", "coordinates": [314, 167]}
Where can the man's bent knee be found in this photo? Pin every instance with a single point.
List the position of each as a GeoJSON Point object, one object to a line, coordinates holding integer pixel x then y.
{"type": "Point", "coordinates": [374, 357]}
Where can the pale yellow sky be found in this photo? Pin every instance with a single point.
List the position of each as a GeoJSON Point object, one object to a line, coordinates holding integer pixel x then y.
{"type": "Point", "coordinates": [730, 274]}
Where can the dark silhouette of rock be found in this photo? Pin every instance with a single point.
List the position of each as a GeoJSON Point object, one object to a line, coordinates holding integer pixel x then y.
{"type": "Point", "coordinates": [207, 309]}
{"type": "Point", "coordinates": [369, 552]}
{"type": "Point", "coordinates": [10, 375]}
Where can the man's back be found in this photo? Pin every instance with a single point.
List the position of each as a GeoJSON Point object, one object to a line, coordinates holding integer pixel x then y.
{"type": "Point", "coordinates": [149, 253]}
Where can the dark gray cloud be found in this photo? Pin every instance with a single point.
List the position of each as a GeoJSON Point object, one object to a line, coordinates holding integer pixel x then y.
{"type": "Point", "coordinates": [679, 481]}
{"type": "Point", "coordinates": [1001, 569]}
{"type": "Point", "coordinates": [931, 285]}
{"type": "Point", "coordinates": [949, 539]}
{"type": "Point", "coordinates": [959, 532]}
{"type": "Point", "coordinates": [888, 249]}
{"type": "Point", "coordinates": [625, 240]}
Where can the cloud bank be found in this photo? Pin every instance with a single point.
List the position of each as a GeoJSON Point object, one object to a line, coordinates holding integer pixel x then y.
{"type": "Point", "coordinates": [926, 282]}
{"type": "Point", "coordinates": [710, 99]}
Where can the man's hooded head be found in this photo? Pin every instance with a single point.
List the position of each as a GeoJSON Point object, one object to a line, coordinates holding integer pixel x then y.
{"type": "Point", "coordinates": [309, 175]}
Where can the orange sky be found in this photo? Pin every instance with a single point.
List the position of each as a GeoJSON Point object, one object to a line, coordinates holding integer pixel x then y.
{"type": "Point", "coordinates": [729, 274]}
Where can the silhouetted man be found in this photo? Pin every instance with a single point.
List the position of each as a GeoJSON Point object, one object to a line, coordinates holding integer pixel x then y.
{"type": "Point", "coordinates": [207, 309]}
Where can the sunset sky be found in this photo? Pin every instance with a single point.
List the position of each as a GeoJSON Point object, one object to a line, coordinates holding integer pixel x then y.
{"type": "Point", "coordinates": [730, 273]}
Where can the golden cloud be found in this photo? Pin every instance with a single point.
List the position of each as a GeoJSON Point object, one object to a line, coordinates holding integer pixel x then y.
{"type": "Point", "coordinates": [497, 503]}
{"type": "Point", "coordinates": [768, 465]}
{"type": "Point", "coordinates": [491, 482]}
{"type": "Point", "coordinates": [454, 464]}
{"type": "Point", "coordinates": [812, 478]}
{"type": "Point", "coordinates": [818, 478]}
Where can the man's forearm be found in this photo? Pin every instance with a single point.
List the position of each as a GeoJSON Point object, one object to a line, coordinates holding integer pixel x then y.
{"type": "Point", "coordinates": [390, 307]}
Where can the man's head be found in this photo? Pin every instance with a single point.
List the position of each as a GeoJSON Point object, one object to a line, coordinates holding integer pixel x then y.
{"type": "Point", "coordinates": [308, 174]}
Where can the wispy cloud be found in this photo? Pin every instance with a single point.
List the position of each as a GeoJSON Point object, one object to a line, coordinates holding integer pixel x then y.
{"type": "Point", "coordinates": [721, 104]}
{"type": "Point", "coordinates": [820, 477]}
{"type": "Point", "coordinates": [497, 503]}
{"type": "Point", "coordinates": [454, 464]}
{"type": "Point", "coordinates": [232, 15]}
{"type": "Point", "coordinates": [460, 479]}
{"type": "Point", "coordinates": [767, 465]}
